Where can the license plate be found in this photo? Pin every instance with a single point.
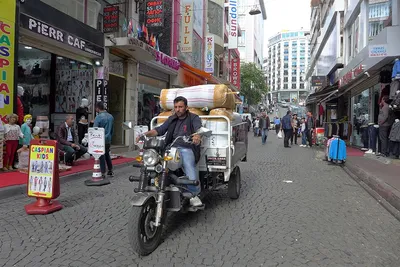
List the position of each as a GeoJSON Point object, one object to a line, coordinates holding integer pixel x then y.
{"type": "Point", "coordinates": [216, 161]}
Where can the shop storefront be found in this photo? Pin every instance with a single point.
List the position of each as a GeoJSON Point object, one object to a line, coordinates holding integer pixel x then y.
{"type": "Point", "coordinates": [56, 55]}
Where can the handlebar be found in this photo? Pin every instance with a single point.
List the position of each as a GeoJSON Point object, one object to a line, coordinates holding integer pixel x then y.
{"type": "Point", "coordinates": [184, 180]}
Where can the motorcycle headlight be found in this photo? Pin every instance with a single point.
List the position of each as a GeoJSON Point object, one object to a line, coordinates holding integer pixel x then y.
{"type": "Point", "coordinates": [150, 157]}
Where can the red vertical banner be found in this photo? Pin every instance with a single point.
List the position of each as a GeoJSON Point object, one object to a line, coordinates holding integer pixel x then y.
{"type": "Point", "coordinates": [235, 72]}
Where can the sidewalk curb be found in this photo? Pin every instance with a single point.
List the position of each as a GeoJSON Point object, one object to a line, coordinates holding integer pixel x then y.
{"type": "Point", "coordinates": [385, 194]}
{"type": "Point", "coordinates": [13, 190]}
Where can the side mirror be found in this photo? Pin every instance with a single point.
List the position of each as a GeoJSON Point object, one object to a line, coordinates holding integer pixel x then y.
{"type": "Point", "coordinates": [128, 125]}
{"type": "Point", "coordinates": [204, 132]}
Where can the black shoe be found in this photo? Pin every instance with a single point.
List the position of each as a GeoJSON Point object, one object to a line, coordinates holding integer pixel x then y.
{"type": "Point", "coordinates": [110, 173]}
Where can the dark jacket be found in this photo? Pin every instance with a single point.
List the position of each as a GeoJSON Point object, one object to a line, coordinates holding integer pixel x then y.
{"type": "Point", "coordinates": [62, 135]}
{"type": "Point", "coordinates": [287, 122]}
{"type": "Point", "coordinates": [169, 127]}
{"type": "Point", "coordinates": [309, 123]}
{"type": "Point", "coordinates": [395, 132]}
{"type": "Point", "coordinates": [264, 123]}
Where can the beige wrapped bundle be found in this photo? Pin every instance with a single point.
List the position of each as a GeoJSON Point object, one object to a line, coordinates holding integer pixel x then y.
{"type": "Point", "coordinates": [169, 113]}
{"type": "Point", "coordinates": [202, 96]}
{"type": "Point", "coordinates": [222, 112]}
{"type": "Point", "coordinates": [166, 113]}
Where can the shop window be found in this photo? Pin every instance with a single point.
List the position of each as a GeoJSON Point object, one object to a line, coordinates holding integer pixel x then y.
{"type": "Point", "coordinates": [34, 76]}
{"type": "Point", "coordinates": [74, 81]}
{"type": "Point", "coordinates": [361, 113]}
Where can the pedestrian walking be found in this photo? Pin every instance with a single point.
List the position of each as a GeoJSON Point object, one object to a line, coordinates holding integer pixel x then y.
{"type": "Point", "coordinates": [105, 120]}
{"type": "Point", "coordinates": [303, 133]}
{"type": "Point", "coordinates": [248, 123]}
{"type": "Point", "coordinates": [256, 126]}
{"type": "Point", "coordinates": [277, 123]}
{"type": "Point", "coordinates": [264, 127]}
{"type": "Point", "coordinates": [309, 127]}
{"type": "Point", "coordinates": [287, 128]}
{"type": "Point", "coordinates": [295, 125]}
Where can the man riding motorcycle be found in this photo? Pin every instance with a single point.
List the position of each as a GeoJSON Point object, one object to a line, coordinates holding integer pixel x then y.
{"type": "Point", "coordinates": [183, 123]}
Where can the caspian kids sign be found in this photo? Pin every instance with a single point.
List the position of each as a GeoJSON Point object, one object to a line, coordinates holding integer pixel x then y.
{"type": "Point", "coordinates": [7, 38]}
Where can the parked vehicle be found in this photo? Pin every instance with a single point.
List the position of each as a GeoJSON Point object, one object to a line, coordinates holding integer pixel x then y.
{"type": "Point", "coordinates": [160, 187]}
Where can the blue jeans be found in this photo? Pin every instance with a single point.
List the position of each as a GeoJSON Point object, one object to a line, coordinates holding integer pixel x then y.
{"type": "Point", "coordinates": [106, 159]}
{"type": "Point", "coordinates": [304, 138]}
{"type": "Point", "coordinates": [264, 133]}
{"type": "Point", "coordinates": [256, 129]}
{"type": "Point", "coordinates": [373, 134]}
{"type": "Point", "coordinates": [189, 166]}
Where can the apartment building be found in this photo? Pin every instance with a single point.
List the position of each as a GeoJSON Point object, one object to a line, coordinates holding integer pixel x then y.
{"type": "Point", "coordinates": [288, 58]}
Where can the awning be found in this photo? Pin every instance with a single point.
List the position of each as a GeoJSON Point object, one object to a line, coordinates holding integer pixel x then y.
{"type": "Point", "coordinates": [323, 94]}
{"type": "Point", "coordinates": [201, 73]}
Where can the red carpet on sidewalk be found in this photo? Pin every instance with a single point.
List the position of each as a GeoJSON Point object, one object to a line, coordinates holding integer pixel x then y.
{"type": "Point", "coordinates": [18, 178]}
{"type": "Point", "coordinates": [354, 152]}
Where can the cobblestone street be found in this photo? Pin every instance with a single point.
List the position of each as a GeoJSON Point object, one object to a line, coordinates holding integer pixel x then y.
{"type": "Point", "coordinates": [322, 218]}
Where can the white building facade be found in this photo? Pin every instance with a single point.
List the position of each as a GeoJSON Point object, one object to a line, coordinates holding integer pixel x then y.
{"type": "Point", "coordinates": [288, 58]}
{"type": "Point", "coordinates": [250, 42]}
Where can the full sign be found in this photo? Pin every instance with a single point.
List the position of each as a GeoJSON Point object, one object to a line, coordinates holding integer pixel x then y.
{"type": "Point", "coordinates": [96, 141]}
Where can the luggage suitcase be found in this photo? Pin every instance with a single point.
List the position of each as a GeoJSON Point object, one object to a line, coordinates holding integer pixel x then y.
{"type": "Point", "coordinates": [337, 151]}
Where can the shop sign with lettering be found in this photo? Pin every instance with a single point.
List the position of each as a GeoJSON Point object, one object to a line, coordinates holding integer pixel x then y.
{"type": "Point", "coordinates": [158, 56]}
{"type": "Point", "coordinates": [154, 13]}
{"type": "Point", "coordinates": [7, 48]}
{"type": "Point", "coordinates": [235, 72]}
{"type": "Point", "coordinates": [351, 75]}
{"type": "Point", "coordinates": [59, 35]}
{"type": "Point", "coordinates": [111, 19]}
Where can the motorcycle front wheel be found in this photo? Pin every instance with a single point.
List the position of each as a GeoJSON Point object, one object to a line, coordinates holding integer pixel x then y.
{"type": "Point", "coordinates": [144, 237]}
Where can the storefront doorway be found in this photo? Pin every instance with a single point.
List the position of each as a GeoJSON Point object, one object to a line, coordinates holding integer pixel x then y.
{"type": "Point", "coordinates": [116, 106]}
{"type": "Point", "coordinates": [34, 75]}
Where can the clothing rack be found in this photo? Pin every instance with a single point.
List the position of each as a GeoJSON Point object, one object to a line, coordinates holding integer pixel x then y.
{"type": "Point", "coordinates": [339, 128]}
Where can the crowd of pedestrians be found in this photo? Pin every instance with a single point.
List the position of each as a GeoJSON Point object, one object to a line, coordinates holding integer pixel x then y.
{"type": "Point", "coordinates": [289, 128]}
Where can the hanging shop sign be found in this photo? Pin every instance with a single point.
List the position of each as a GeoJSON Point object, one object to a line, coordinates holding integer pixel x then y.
{"type": "Point", "coordinates": [187, 29]}
{"type": "Point", "coordinates": [154, 13]}
{"type": "Point", "coordinates": [158, 56]}
{"type": "Point", "coordinates": [101, 92]}
{"type": "Point", "coordinates": [235, 72]}
{"type": "Point", "coordinates": [378, 50]}
{"type": "Point", "coordinates": [351, 75]}
{"type": "Point", "coordinates": [49, 31]}
{"type": "Point", "coordinates": [7, 49]}
{"type": "Point", "coordinates": [209, 54]}
{"type": "Point", "coordinates": [111, 19]}
{"type": "Point", "coordinates": [318, 81]}
{"type": "Point", "coordinates": [233, 25]}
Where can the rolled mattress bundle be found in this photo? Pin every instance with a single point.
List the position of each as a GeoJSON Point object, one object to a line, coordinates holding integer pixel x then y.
{"type": "Point", "coordinates": [201, 96]}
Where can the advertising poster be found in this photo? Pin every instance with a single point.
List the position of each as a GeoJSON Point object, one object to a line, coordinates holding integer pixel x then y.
{"type": "Point", "coordinates": [96, 143]}
{"type": "Point", "coordinates": [41, 174]}
{"type": "Point", "coordinates": [209, 55]}
{"type": "Point", "coordinates": [187, 28]}
{"type": "Point", "coordinates": [7, 50]}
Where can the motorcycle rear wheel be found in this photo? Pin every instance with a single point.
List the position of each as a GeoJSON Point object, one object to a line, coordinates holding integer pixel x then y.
{"type": "Point", "coordinates": [143, 237]}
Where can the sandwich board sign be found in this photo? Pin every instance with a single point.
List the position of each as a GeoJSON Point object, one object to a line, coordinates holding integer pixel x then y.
{"type": "Point", "coordinates": [96, 141]}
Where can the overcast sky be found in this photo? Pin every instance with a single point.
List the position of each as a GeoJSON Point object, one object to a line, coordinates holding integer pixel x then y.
{"type": "Point", "coordinates": [285, 15]}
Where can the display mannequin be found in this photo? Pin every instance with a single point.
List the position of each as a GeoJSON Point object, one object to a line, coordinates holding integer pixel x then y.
{"type": "Point", "coordinates": [36, 133]}
{"type": "Point", "coordinates": [20, 106]}
{"type": "Point", "coordinates": [82, 116]}
{"type": "Point", "coordinates": [26, 131]}
{"type": "Point", "coordinates": [373, 133]}
{"type": "Point", "coordinates": [12, 133]}
{"type": "Point", "coordinates": [394, 138]}
{"type": "Point", "coordinates": [384, 125]}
